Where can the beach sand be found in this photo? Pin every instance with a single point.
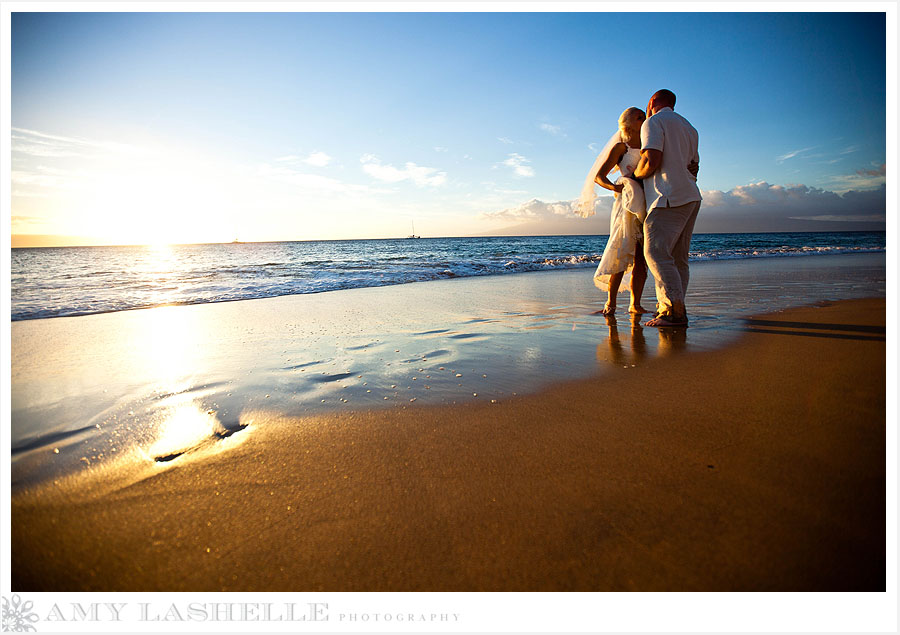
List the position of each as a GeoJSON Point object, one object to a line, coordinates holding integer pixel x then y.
{"type": "Point", "coordinates": [757, 467]}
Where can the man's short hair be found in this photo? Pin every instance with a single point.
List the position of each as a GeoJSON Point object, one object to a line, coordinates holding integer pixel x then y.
{"type": "Point", "coordinates": [665, 96]}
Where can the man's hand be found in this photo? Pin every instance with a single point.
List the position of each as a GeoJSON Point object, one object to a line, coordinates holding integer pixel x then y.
{"type": "Point", "coordinates": [650, 162]}
{"type": "Point", "coordinates": [694, 168]}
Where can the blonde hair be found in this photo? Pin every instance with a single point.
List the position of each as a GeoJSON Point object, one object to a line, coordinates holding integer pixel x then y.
{"type": "Point", "coordinates": [627, 114]}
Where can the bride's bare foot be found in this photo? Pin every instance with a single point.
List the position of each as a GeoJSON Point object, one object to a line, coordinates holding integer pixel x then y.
{"type": "Point", "coordinates": [637, 309]}
{"type": "Point", "coordinates": [609, 309]}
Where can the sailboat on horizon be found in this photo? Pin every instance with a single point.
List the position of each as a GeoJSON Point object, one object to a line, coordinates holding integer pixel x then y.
{"type": "Point", "coordinates": [413, 234]}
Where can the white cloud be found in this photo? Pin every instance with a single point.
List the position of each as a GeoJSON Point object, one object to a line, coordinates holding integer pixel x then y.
{"type": "Point", "coordinates": [537, 218]}
{"type": "Point", "coordinates": [860, 180]}
{"type": "Point", "coordinates": [519, 164]}
{"type": "Point", "coordinates": [420, 175]}
{"type": "Point", "coordinates": [533, 210]}
{"type": "Point", "coordinates": [20, 194]}
{"type": "Point", "coordinates": [318, 159]}
{"type": "Point", "coordinates": [41, 181]}
{"type": "Point", "coordinates": [757, 193]}
{"type": "Point", "coordinates": [765, 207]}
{"type": "Point", "coordinates": [44, 177]}
{"type": "Point", "coordinates": [43, 163]}
{"type": "Point", "coordinates": [505, 140]}
{"type": "Point", "coordinates": [846, 218]}
{"type": "Point", "coordinates": [44, 150]}
{"type": "Point", "coordinates": [20, 220]}
{"type": "Point", "coordinates": [763, 193]}
{"type": "Point", "coordinates": [552, 129]}
{"type": "Point", "coordinates": [41, 144]}
{"type": "Point", "coordinates": [756, 207]}
{"type": "Point", "coordinates": [793, 153]}
{"type": "Point", "coordinates": [309, 182]}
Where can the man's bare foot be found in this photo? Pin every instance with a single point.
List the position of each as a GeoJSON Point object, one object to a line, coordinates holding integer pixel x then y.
{"type": "Point", "coordinates": [637, 309]}
{"type": "Point", "coordinates": [668, 320]}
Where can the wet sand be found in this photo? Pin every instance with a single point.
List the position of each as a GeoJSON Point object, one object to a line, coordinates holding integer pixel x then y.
{"type": "Point", "coordinates": [756, 467]}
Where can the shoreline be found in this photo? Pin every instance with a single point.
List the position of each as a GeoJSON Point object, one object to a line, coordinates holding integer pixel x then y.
{"type": "Point", "coordinates": [589, 265]}
{"type": "Point", "coordinates": [768, 476]}
{"type": "Point", "coordinates": [584, 266]}
{"type": "Point", "coordinates": [479, 263]}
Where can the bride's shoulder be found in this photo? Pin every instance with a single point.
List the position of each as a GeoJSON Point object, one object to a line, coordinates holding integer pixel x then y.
{"type": "Point", "coordinates": [619, 149]}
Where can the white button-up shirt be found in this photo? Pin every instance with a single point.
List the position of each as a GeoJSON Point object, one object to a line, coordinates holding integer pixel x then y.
{"type": "Point", "coordinates": [671, 185]}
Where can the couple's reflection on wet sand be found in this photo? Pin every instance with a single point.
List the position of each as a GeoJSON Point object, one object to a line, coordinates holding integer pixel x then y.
{"type": "Point", "coordinates": [627, 343]}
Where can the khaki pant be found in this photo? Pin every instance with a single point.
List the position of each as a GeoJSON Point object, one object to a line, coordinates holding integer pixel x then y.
{"type": "Point", "coordinates": [667, 241]}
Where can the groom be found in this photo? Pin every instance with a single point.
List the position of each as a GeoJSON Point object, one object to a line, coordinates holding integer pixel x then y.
{"type": "Point", "coordinates": [668, 150]}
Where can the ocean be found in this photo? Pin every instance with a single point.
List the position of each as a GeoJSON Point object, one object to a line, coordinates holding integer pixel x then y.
{"type": "Point", "coordinates": [67, 281]}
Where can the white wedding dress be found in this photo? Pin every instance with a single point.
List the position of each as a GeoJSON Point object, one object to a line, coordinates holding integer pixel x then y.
{"type": "Point", "coordinates": [626, 225]}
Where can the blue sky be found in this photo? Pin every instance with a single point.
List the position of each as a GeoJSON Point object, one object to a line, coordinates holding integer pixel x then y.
{"type": "Point", "coordinates": [133, 127]}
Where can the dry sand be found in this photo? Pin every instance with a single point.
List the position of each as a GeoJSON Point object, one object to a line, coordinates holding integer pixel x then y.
{"type": "Point", "coordinates": [759, 467]}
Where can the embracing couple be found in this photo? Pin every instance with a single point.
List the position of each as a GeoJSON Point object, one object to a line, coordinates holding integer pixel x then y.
{"type": "Point", "coordinates": [655, 208]}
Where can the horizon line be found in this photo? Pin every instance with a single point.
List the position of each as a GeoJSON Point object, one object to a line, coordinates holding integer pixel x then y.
{"type": "Point", "coordinates": [13, 238]}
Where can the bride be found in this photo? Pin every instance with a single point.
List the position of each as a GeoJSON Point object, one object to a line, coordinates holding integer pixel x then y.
{"type": "Point", "coordinates": [624, 247]}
